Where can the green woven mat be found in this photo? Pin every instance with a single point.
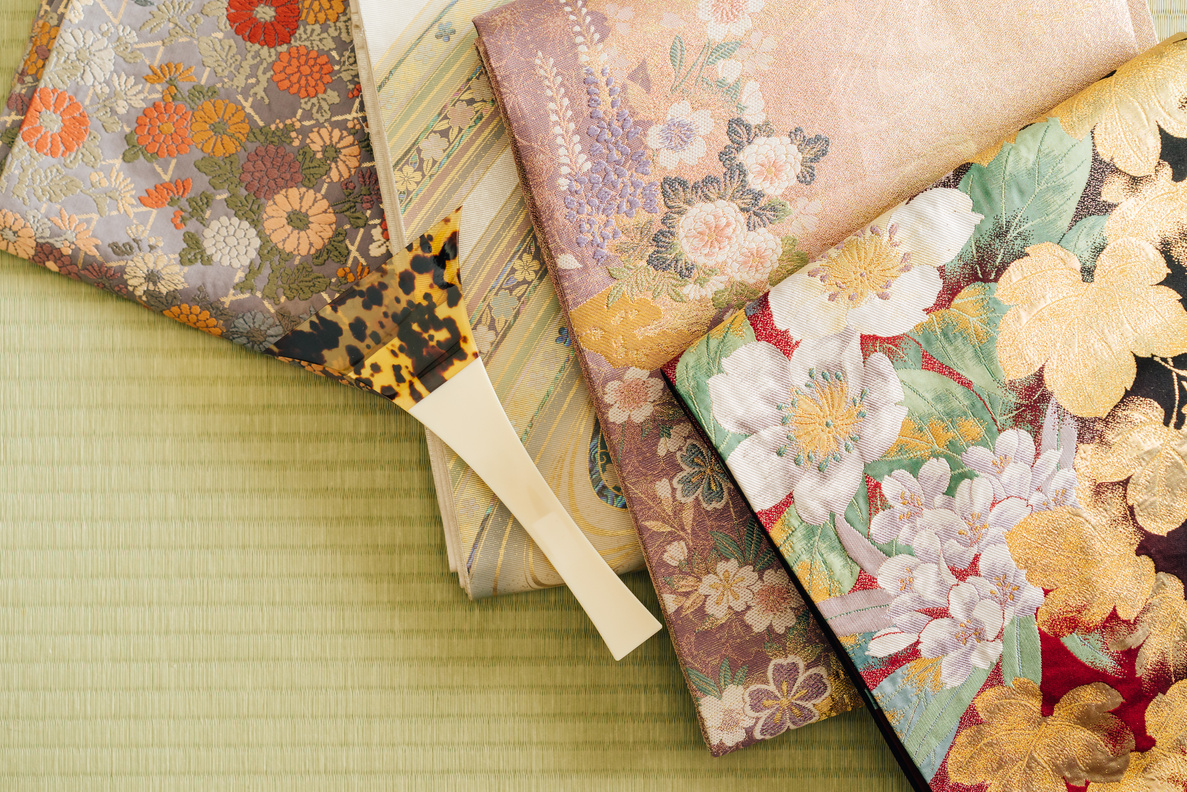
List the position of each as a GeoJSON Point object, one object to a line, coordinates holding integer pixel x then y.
{"type": "Point", "coordinates": [217, 572]}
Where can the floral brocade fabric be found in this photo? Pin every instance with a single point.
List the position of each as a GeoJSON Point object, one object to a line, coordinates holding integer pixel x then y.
{"type": "Point", "coordinates": [963, 425]}
{"type": "Point", "coordinates": [678, 160]}
{"type": "Point", "coordinates": [213, 164]}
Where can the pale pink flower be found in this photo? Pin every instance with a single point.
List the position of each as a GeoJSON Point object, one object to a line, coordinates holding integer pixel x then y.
{"type": "Point", "coordinates": [632, 397]}
{"type": "Point", "coordinates": [757, 258]}
{"type": "Point", "coordinates": [772, 163]}
{"type": "Point", "coordinates": [709, 233]}
{"type": "Point", "coordinates": [773, 600]}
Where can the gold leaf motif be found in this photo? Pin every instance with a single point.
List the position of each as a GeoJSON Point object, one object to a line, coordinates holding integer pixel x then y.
{"type": "Point", "coordinates": [921, 442]}
{"type": "Point", "coordinates": [1164, 767]}
{"type": "Point", "coordinates": [1134, 444]}
{"type": "Point", "coordinates": [1161, 631]}
{"type": "Point", "coordinates": [1086, 558]}
{"type": "Point", "coordinates": [968, 314]}
{"type": "Point", "coordinates": [1085, 335]}
{"type": "Point", "coordinates": [1153, 209]}
{"type": "Point", "coordinates": [817, 581]}
{"type": "Point", "coordinates": [1016, 749]}
{"type": "Point", "coordinates": [637, 332]}
{"type": "Point", "coordinates": [970, 430]}
{"type": "Point", "coordinates": [1124, 111]}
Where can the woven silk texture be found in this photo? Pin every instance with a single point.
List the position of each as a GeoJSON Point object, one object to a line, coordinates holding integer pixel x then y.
{"type": "Point", "coordinates": [678, 159]}
{"type": "Point", "coordinates": [446, 146]}
{"type": "Point", "coordinates": [214, 166]}
{"type": "Point", "coordinates": [963, 426]}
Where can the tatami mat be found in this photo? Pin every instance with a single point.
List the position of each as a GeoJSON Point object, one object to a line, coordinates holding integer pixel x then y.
{"type": "Point", "coordinates": [220, 573]}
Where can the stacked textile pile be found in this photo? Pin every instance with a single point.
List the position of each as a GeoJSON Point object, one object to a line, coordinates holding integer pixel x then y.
{"type": "Point", "coordinates": [215, 165]}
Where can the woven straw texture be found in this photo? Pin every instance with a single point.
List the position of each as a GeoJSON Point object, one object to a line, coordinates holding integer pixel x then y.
{"type": "Point", "coordinates": [220, 573]}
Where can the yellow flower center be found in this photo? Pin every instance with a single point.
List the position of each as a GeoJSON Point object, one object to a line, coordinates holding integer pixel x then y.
{"type": "Point", "coordinates": [166, 127]}
{"type": "Point", "coordinates": [866, 265]}
{"type": "Point", "coordinates": [822, 420]}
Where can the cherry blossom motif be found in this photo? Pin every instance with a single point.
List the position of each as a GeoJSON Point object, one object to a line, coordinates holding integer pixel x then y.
{"type": "Point", "coordinates": [786, 703]}
{"type": "Point", "coordinates": [909, 498]}
{"type": "Point", "coordinates": [813, 422]}
{"type": "Point", "coordinates": [676, 553]}
{"type": "Point", "coordinates": [679, 138]}
{"type": "Point", "coordinates": [633, 397]}
{"type": "Point", "coordinates": [728, 18]}
{"type": "Point", "coordinates": [731, 588]}
{"type": "Point", "coordinates": [710, 233]}
{"type": "Point", "coordinates": [969, 638]}
{"type": "Point", "coordinates": [756, 259]}
{"type": "Point", "coordinates": [773, 603]}
{"type": "Point", "coordinates": [973, 521]}
{"type": "Point", "coordinates": [727, 719]}
{"type": "Point", "coordinates": [919, 583]}
{"type": "Point", "coordinates": [754, 106]}
{"type": "Point", "coordinates": [772, 163]}
{"type": "Point", "coordinates": [1013, 471]}
{"type": "Point", "coordinates": [880, 280]}
{"type": "Point", "coordinates": [1003, 582]}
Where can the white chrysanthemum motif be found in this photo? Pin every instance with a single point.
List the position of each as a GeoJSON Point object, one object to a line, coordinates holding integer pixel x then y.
{"type": "Point", "coordinates": [756, 258]}
{"type": "Point", "coordinates": [812, 422]}
{"type": "Point", "coordinates": [633, 397]}
{"type": "Point", "coordinates": [710, 233]}
{"type": "Point", "coordinates": [772, 163]}
{"type": "Point", "coordinates": [881, 280]}
{"type": "Point", "coordinates": [728, 18]}
{"type": "Point", "coordinates": [680, 137]}
{"type": "Point", "coordinates": [231, 242]}
{"type": "Point", "coordinates": [82, 55]}
{"type": "Point", "coordinates": [152, 271]}
{"type": "Point", "coordinates": [727, 719]}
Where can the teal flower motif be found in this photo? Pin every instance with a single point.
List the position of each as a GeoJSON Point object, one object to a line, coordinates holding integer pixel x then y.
{"type": "Point", "coordinates": [704, 477]}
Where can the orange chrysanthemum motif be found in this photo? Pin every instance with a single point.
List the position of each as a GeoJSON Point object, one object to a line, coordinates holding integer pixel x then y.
{"type": "Point", "coordinates": [164, 129]}
{"type": "Point", "coordinates": [171, 73]}
{"type": "Point", "coordinates": [219, 127]}
{"type": "Point", "coordinates": [350, 276]}
{"type": "Point", "coordinates": [16, 236]}
{"type": "Point", "coordinates": [39, 48]}
{"type": "Point", "coordinates": [158, 197]}
{"type": "Point", "coordinates": [196, 317]}
{"type": "Point", "coordinates": [55, 123]}
{"type": "Point", "coordinates": [299, 221]}
{"type": "Point", "coordinates": [318, 12]}
{"type": "Point", "coordinates": [302, 72]}
{"type": "Point", "coordinates": [268, 22]}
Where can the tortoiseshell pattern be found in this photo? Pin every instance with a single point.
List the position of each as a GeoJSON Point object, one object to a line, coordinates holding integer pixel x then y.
{"type": "Point", "coordinates": [401, 333]}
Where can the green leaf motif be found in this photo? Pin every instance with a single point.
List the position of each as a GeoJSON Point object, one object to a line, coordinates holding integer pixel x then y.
{"type": "Point", "coordinates": [964, 338]}
{"type": "Point", "coordinates": [1028, 195]}
{"type": "Point", "coordinates": [700, 363]}
{"type": "Point", "coordinates": [722, 51]}
{"type": "Point", "coordinates": [1021, 654]}
{"type": "Point", "coordinates": [817, 556]}
{"type": "Point", "coordinates": [1086, 240]}
{"type": "Point", "coordinates": [676, 54]}
{"type": "Point", "coordinates": [704, 685]}
{"type": "Point", "coordinates": [943, 419]}
{"type": "Point", "coordinates": [927, 721]}
{"type": "Point", "coordinates": [222, 171]}
{"type": "Point", "coordinates": [1092, 651]}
